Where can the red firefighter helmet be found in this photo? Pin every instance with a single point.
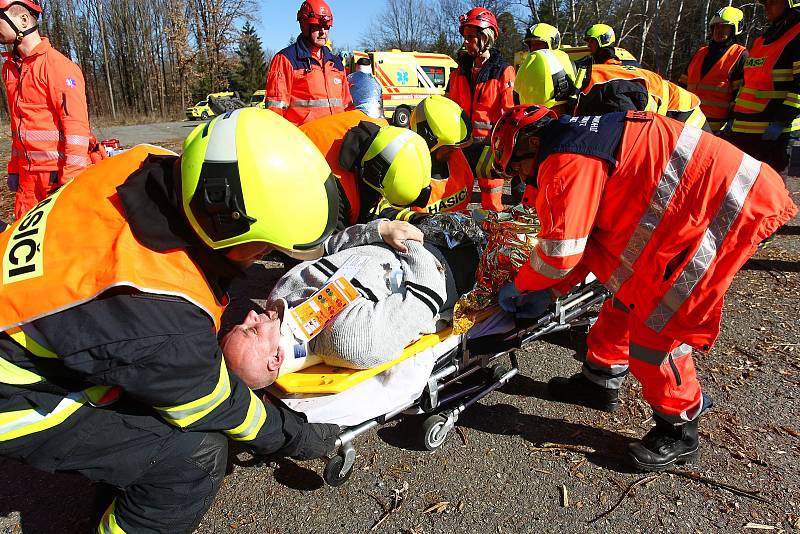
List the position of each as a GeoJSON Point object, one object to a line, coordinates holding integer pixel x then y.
{"type": "Point", "coordinates": [33, 5]}
{"type": "Point", "coordinates": [505, 133]}
{"type": "Point", "coordinates": [479, 17]}
{"type": "Point", "coordinates": [315, 12]}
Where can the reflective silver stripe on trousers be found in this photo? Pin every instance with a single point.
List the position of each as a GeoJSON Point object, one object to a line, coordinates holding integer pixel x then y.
{"type": "Point", "coordinates": [320, 103]}
{"type": "Point", "coordinates": [52, 155]}
{"type": "Point", "coordinates": [667, 185]}
{"type": "Point", "coordinates": [715, 234]}
{"type": "Point", "coordinates": [546, 269]}
{"type": "Point", "coordinates": [483, 125]}
{"type": "Point", "coordinates": [280, 104]}
{"type": "Point", "coordinates": [658, 357]}
{"type": "Point", "coordinates": [491, 189]}
{"type": "Point", "coordinates": [560, 248]}
{"type": "Point", "coordinates": [609, 377]}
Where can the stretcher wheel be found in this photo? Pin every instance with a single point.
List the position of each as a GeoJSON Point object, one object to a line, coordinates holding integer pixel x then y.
{"type": "Point", "coordinates": [498, 371]}
{"type": "Point", "coordinates": [434, 432]}
{"type": "Point", "coordinates": [333, 475]}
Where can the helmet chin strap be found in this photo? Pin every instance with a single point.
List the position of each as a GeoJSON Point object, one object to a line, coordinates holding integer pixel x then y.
{"type": "Point", "coordinates": [20, 33]}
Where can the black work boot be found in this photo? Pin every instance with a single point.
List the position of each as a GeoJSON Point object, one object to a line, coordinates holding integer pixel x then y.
{"type": "Point", "coordinates": [664, 445]}
{"type": "Point", "coordinates": [578, 389]}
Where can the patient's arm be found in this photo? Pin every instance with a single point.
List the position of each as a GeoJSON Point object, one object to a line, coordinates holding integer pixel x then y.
{"type": "Point", "coordinates": [393, 233]}
{"type": "Point", "coordinates": [370, 333]}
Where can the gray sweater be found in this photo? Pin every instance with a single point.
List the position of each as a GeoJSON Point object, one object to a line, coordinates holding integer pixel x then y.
{"type": "Point", "coordinates": [375, 328]}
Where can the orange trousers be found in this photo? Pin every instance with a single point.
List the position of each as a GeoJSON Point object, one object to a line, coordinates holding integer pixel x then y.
{"type": "Point", "coordinates": [619, 342]}
{"type": "Point", "coordinates": [33, 188]}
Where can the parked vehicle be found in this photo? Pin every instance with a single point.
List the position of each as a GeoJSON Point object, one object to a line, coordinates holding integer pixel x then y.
{"type": "Point", "coordinates": [406, 78]}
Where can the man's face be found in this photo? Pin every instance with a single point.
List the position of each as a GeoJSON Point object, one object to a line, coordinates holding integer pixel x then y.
{"type": "Point", "coordinates": [535, 44]}
{"type": "Point", "coordinates": [721, 32]}
{"type": "Point", "coordinates": [593, 45]}
{"type": "Point", "coordinates": [316, 34]}
{"type": "Point", "coordinates": [247, 254]}
{"type": "Point", "coordinates": [253, 350]}
{"type": "Point", "coordinates": [472, 40]}
{"type": "Point", "coordinates": [775, 9]}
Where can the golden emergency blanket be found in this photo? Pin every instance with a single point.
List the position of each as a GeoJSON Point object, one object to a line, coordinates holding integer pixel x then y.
{"type": "Point", "coordinates": [511, 236]}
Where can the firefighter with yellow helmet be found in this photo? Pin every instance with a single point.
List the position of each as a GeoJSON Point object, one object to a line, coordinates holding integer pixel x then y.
{"type": "Point", "coordinates": [109, 360]}
{"type": "Point", "coordinates": [766, 114]}
{"type": "Point", "coordinates": [446, 129]}
{"type": "Point", "coordinates": [600, 39]}
{"type": "Point", "coordinates": [716, 71]}
{"type": "Point", "coordinates": [372, 161]}
{"type": "Point", "coordinates": [542, 36]}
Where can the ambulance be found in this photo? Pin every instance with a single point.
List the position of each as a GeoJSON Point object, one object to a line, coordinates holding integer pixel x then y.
{"type": "Point", "coordinates": [406, 78]}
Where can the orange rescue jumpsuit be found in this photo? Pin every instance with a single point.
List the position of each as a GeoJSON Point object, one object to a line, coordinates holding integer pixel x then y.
{"type": "Point", "coordinates": [302, 87]}
{"type": "Point", "coordinates": [484, 95]}
{"type": "Point", "coordinates": [49, 122]}
{"type": "Point", "coordinates": [664, 215]}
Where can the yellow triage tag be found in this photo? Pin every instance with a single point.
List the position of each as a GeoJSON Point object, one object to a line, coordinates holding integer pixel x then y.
{"type": "Point", "coordinates": [311, 316]}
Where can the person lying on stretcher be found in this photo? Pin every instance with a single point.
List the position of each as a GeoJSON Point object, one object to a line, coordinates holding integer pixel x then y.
{"type": "Point", "coordinates": [399, 292]}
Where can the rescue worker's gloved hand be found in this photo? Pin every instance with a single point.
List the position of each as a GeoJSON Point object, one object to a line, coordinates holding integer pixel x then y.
{"type": "Point", "coordinates": [524, 305]}
{"type": "Point", "coordinates": [315, 441]}
{"type": "Point", "coordinates": [13, 182]}
{"type": "Point", "coordinates": [773, 132]}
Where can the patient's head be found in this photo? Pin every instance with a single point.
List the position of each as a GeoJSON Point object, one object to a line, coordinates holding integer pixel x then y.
{"type": "Point", "coordinates": [253, 350]}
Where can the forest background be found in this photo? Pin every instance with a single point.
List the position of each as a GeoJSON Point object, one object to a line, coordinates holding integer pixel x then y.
{"type": "Point", "coordinates": [147, 60]}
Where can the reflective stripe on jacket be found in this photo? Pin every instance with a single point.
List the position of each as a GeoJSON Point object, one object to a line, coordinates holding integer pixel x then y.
{"type": "Point", "coordinates": [771, 88]}
{"type": "Point", "coordinates": [327, 134]}
{"type": "Point", "coordinates": [715, 88]}
{"type": "Point", "coordinates": [666, 229]}
{"type": "Point", "coordinates": [487, 97]}
{"type": "Point", "coordinates": [49, 119]}
{"type": "Point", "coordinates": [301, 88]}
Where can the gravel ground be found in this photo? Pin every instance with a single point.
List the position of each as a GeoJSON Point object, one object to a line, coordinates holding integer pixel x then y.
{"type": "Point", "coordinates": [518, 462]}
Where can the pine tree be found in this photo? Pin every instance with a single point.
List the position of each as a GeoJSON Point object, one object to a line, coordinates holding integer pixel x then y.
{"type": "Point", "coordinates": [251, 72]}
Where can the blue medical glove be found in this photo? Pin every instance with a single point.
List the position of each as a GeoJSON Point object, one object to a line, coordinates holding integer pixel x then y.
{"type": "Point", "coordinates": [507, 297]}
{"type": "Point", "coordinates": [13, 182]}
{"type": "Point", "coordinates": [532, 305]}
{"type": "Point", "coordinates": [774, 130]}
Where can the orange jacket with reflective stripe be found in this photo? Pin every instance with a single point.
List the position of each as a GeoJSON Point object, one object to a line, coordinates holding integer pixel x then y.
{"type": "Point", "coordinates": [302, 88]}
{"type": "Point", "coordinates": [327, 133]}
{"type": "Point", "coordinates": [665, 229]}
{"type": "Point", "coordinates": [485, 98]}
{"type": "Point", "coordinates": [49, 118]}
{"type": "Point", "coordinates": [714, 89]}
{"type": "Point", "coordinates": [42, 274]}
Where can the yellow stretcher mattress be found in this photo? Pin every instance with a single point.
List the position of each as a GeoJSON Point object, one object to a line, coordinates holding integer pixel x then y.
{"type": "Point", "coordinates": [324, 379]}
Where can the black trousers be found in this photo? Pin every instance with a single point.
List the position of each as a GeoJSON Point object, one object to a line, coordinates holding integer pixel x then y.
{"type": "Point", "coordinates": [777, 153]}
{"type": "Point", "coordinates": [167, 479]}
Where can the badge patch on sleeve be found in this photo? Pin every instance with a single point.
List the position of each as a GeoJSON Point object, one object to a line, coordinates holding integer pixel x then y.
{"type": "Point", "coordinates": [71, 83]}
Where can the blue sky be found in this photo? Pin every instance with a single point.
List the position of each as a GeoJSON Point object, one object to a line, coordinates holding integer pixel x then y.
{"type": "Point", "coordinates": [350, 17]}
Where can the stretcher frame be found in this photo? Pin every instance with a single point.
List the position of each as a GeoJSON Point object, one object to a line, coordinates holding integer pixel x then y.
{"type": "Point", "coordinates": [467, 373]}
